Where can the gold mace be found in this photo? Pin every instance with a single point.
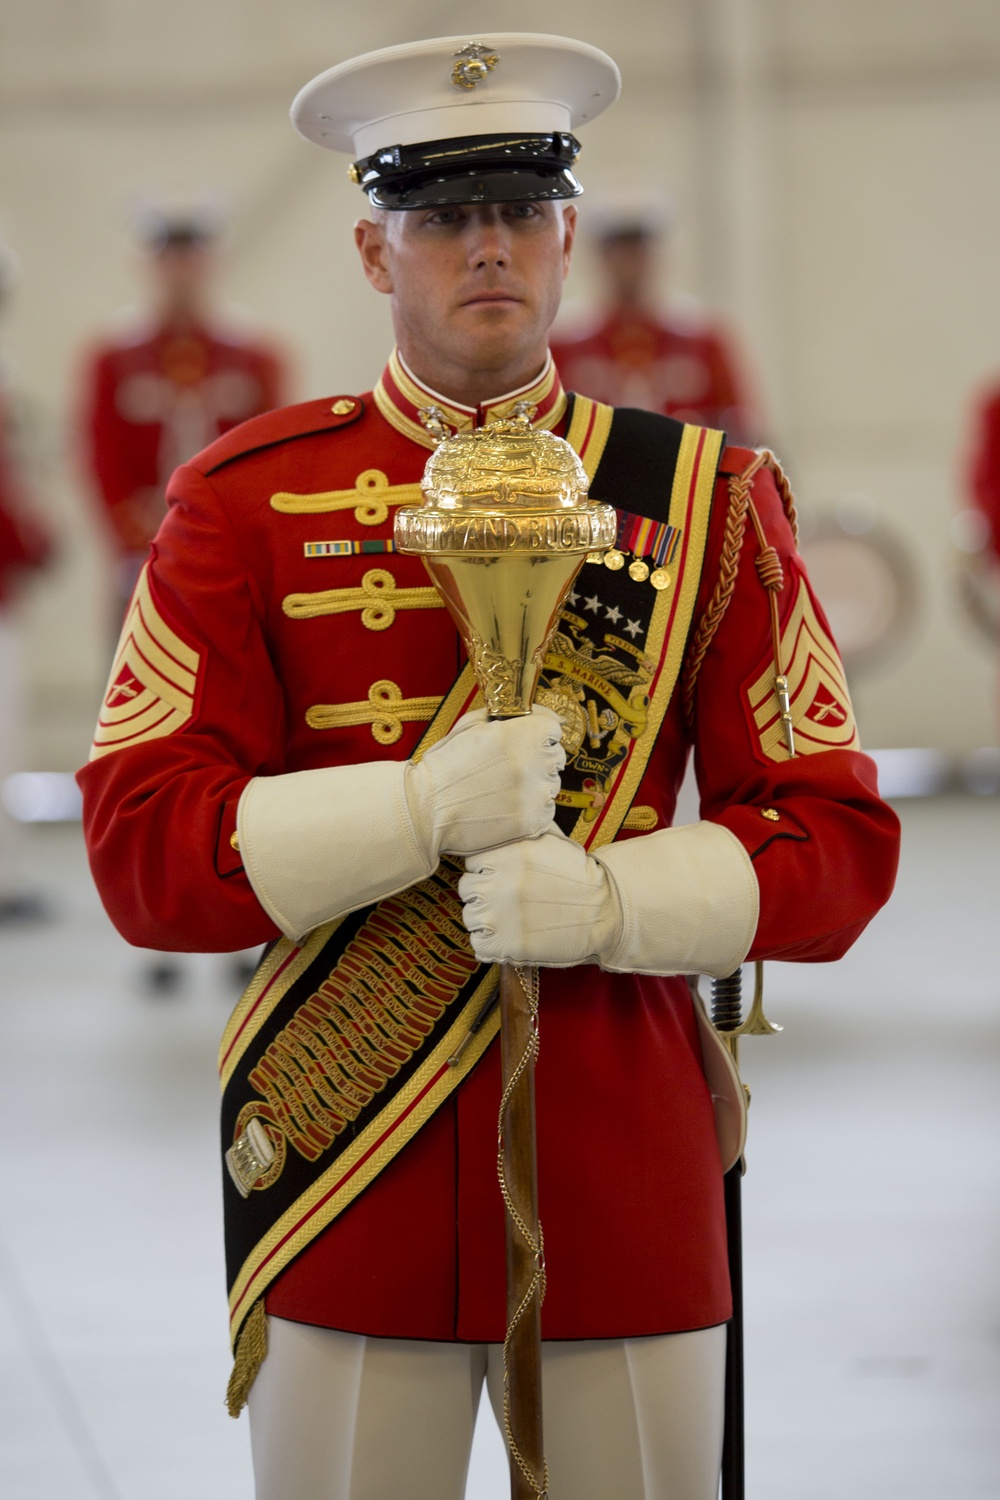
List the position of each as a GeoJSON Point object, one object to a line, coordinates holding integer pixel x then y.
{"type": "Point", "coordinates": [504, 528]}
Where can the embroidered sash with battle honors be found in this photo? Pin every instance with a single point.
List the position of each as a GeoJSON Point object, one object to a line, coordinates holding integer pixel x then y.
{"type": "Point", "coordinates": [341, 1049]}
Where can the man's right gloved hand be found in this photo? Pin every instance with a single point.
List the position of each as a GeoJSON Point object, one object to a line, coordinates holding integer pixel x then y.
{"type": "Point", "coordinates": [488, 782]}
{"type": "Point", "coordinates": [318, 844]}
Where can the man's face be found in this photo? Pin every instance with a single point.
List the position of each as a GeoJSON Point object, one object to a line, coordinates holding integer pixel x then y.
{"type": "Point", "coordinates": [181, 275]}
{"type": "Point", "coordinates": [629, 263]}
{"type": "Point", "coordinates": [474, 287]}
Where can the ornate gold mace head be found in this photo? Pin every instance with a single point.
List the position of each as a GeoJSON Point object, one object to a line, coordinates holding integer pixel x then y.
{"type": "Point", "coordinates": [503, 530]}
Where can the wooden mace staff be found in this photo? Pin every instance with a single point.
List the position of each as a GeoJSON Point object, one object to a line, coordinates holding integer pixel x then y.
{"type": "Point", "coordinates": [503, 531]}
{"type": "Point", "coordinates": [517, 1168]}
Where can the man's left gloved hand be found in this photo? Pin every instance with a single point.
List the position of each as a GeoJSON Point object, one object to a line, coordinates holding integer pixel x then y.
{"type": "Point", "coordinates": [678, 901]}
{"type": "Point", "coordinates": [539, 901]}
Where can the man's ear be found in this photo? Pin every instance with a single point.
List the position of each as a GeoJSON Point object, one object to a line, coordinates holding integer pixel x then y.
{"type": "Point", "coordinates": [370, 239]}
{"type": "Point", "coordinates": [569, 235]}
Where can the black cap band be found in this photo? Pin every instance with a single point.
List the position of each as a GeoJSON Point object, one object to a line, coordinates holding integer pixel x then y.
{"type": "Point", "coordinates": [159, 232]}
{"type": "Point", "coordinates": [471, 169]}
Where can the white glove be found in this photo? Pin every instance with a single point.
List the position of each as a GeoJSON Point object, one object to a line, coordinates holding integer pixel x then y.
{"type": "Point", "coordinates": [540, 902]}
{"type": "Point", "coordinates": [679, 901]}
{"type": "Point", "coordinates": [319, 844]}
{"type": "Point", "coordinates": [488, 782]}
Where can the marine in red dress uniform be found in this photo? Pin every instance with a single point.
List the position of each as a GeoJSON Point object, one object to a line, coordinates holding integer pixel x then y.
{"type": "Point", "coordinates": [979, 578]}
{"type": "Point", "coordinates": [25, 547]}
{"type": "Point", "coordinates": [680, 363]}
{"type": "Point", "coordinates": [275, 640]}
{"type": "Point", "coordinates": [166, 386]}
{"type": "Point", "coordinates": [984, 470]}
{"type": "Point", "coordinates": [24, 544]}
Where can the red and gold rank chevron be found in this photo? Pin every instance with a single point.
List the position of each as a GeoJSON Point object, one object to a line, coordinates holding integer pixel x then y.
{"type": "Point", "coordinates": [154, 679]}
{"type": "Point", "coordinates": [822, 715]}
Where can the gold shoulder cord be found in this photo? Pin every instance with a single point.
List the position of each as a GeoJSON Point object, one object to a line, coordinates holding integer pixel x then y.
{"type": "Point", "coordinates": [769, 571]}
{"type": "Point", "coordinates": [726, 993]}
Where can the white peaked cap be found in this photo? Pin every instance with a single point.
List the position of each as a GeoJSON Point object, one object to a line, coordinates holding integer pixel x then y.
{"type": "Point", "coordinates": [483, 83]}
{"type": "Point", "coordinates": [632, 209]}
{"type": "Point", "coordinates": [156, 217]}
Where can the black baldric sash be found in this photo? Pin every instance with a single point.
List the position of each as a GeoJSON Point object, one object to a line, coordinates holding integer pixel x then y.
{"type": "Point", "coordinates": [339, 1050]}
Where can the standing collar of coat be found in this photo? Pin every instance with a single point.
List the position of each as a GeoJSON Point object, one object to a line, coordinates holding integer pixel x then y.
{"type": "Point", "coordinates": [426, 416]}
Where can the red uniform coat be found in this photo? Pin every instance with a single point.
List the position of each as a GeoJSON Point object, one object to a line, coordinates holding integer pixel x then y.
{"type": "Point", "coordinates": [984, 474]}
{"type": "Point", "coordinates": [684, 370]}
{"type": "Point", "coordinates": [152, 399]}
{"type": "Point", "coordinates": [24, 542]}
{"type": "Point", "coordinates": [630, 1181]}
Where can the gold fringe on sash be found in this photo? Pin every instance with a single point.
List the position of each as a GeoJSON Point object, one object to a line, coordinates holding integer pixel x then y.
{"type": "Point", "coordinates": [249, 1355]}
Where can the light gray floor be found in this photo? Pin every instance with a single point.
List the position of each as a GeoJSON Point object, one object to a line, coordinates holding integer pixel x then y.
{"type": "Point", "coordinates": [871, 1206]}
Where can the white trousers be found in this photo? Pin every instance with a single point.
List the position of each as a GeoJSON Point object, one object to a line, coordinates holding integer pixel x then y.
{"type": "Point", "coordinates": [336, 1416]}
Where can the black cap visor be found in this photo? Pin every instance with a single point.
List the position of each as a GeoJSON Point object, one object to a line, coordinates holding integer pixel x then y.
{"type": "Point", "coordinates": [471, 169]}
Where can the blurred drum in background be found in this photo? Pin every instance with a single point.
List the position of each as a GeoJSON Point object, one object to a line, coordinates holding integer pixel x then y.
{"type": "Point", "coordinates": [867, 579]}
{"type": "Point", "coordinates": [975, 574]}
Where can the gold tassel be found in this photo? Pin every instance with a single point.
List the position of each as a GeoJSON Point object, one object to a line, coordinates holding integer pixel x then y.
{"type": "Point", "coordinates": [251, 1349]}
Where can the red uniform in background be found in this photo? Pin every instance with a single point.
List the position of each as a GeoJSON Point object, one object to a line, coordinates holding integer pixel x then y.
{"type": "Point", "coordinates": [158, 392]}
{"type": "Point", "coordinates": [678, 363]}
{"type": "Point", "coordinates": [155, 397]}
{"type": "Point", "coordinates": [24, 543]}
{"type": "Point", "coordinates": [984, 472]}
{"type": "Point", "coordinates": [682, 368]}
{"type": "Point", "coordinates": [25, 546]}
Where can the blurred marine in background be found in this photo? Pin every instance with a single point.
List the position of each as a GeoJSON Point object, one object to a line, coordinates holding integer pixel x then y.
{"type": "Point", "coordinates": [284, 755]}
{"type": "Point", "coordinates": [167, 383]}
{"type": "Point", "coordinates": [25, 547]}
{"type": "Point", "coordinates": [155, 392]}
{"type": "Point", "coordinates": [978, 575]}
{"type": "Point", "coordinates": [984, 470]}
{"type": "Point", "coordinates": [678, 361]}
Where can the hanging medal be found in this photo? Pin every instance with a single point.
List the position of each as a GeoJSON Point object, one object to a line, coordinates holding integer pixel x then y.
{"type": "Point", "coordinates": [653, 545]}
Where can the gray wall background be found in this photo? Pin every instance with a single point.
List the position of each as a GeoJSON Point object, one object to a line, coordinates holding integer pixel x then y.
{"type": "Point", "coordinates": [836, 165]}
